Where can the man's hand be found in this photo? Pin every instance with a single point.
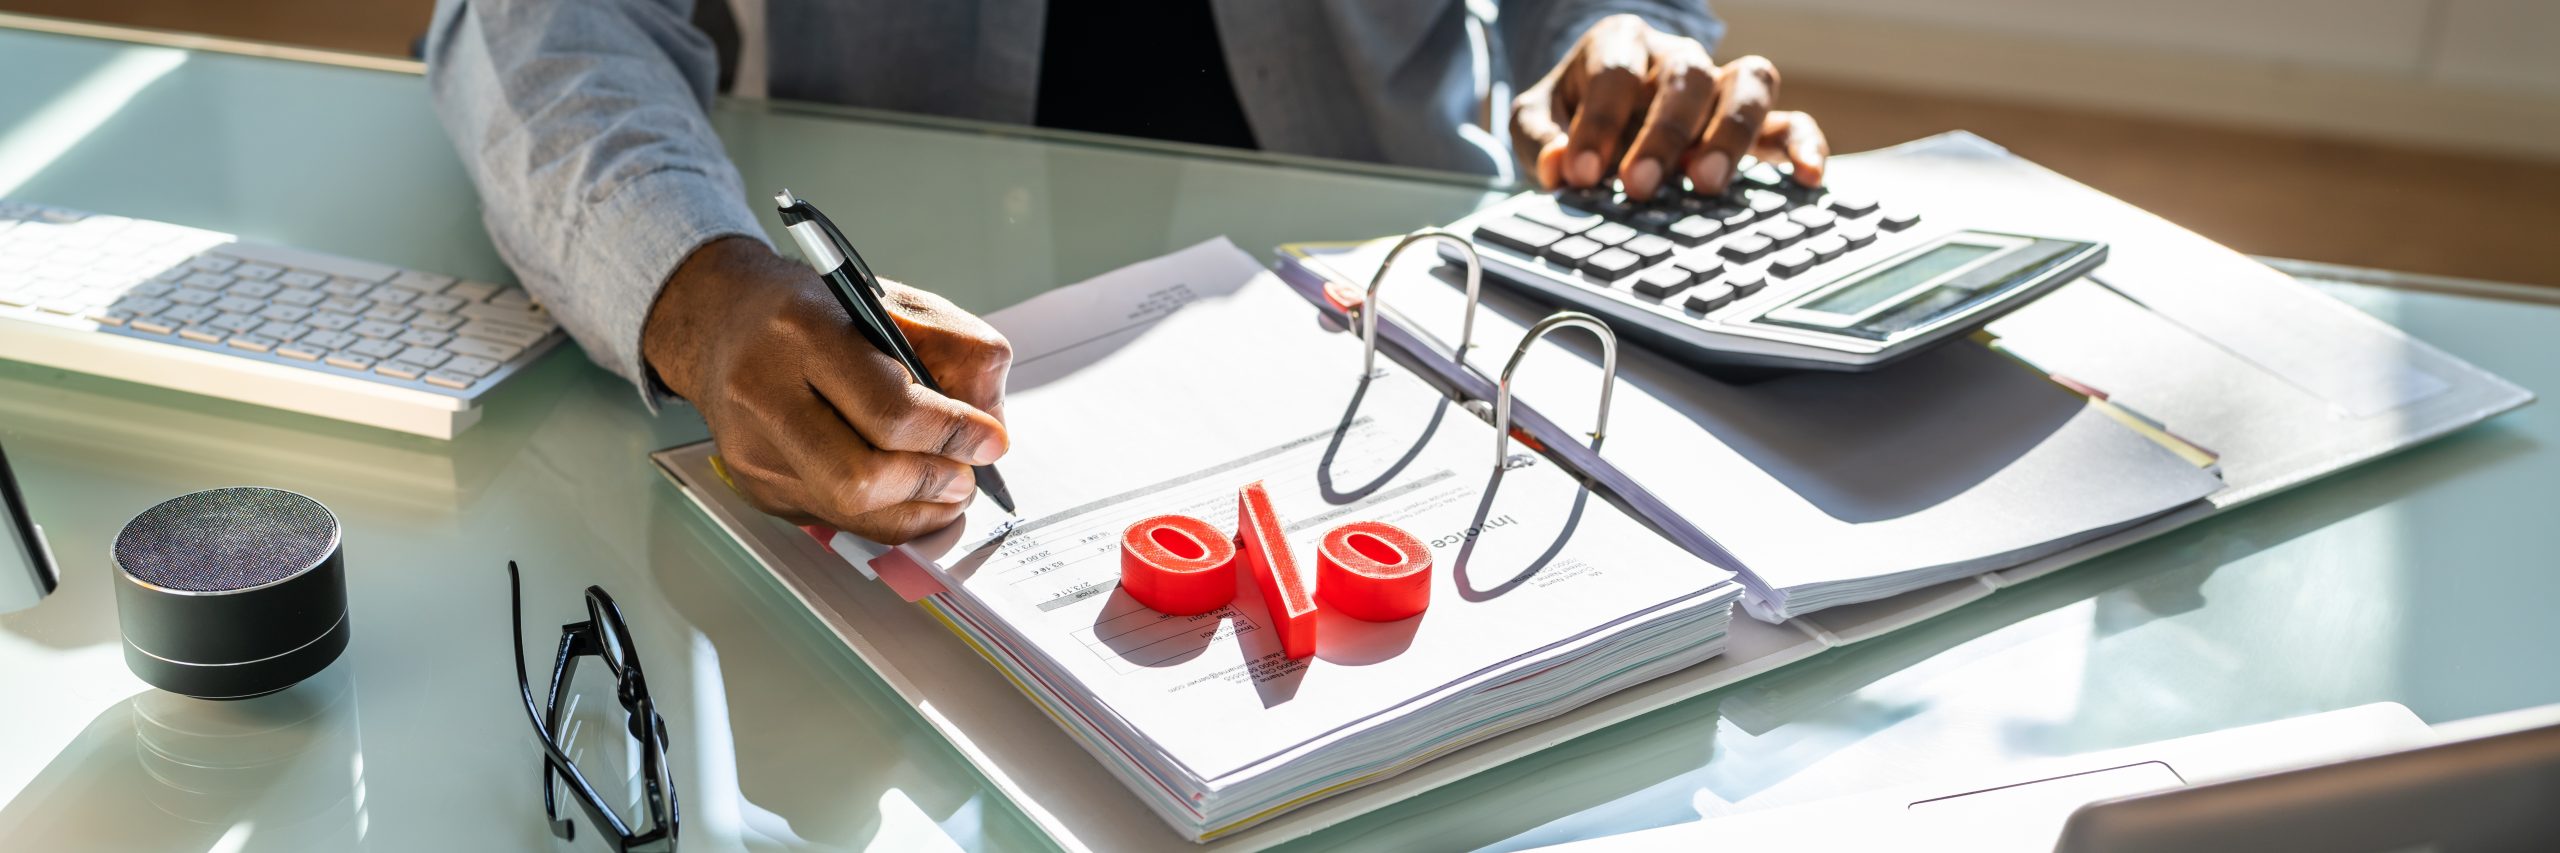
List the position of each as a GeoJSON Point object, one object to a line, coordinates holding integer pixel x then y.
{"type": "Point", "coordinates": [1648, 105]}
{"type": "Point", "coordinates": [814, 424]}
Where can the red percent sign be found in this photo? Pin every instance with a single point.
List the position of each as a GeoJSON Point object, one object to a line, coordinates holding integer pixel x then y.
{"type": "Point", "coordinates": [1368, 570]}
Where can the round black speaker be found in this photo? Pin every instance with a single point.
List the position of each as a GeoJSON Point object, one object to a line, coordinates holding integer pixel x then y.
{"type": "Point", "coordinates": [231, 593]}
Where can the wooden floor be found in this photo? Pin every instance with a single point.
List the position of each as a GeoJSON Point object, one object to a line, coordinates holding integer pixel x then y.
{"type": "Point", "coordinates": [2262, 192]}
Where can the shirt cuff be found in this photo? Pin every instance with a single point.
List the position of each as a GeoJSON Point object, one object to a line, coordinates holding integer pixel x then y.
{"type": "Point", "coordinates": [637, 236]}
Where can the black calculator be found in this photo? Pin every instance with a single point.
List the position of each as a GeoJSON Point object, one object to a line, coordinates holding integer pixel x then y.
{"type": "Point", "coordinates": [1770, 276]}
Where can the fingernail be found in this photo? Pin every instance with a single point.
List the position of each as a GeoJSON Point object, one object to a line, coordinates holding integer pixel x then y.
{"type": "Point", "coordinates": [1644, 177]}
{"type": "Point", "coordinates": [988, 450]}
{"type": "Point", "coordinates": [1713, 172]}
{"type": "Point", "coordinates": [1586, 168]}
{"type": "Point", "coordinates": [958, 488]}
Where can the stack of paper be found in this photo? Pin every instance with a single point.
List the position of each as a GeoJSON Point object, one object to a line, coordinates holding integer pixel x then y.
{"type": "Point", "coordinates": [1164, 389]}
{"type": "Point", "coordinates": [1828, 488]}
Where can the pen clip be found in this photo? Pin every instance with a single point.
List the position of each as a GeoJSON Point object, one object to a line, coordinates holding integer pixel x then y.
{"type": "Point", "coordinates": [1370, 308]}
{"type": "Point", "coordinates": [1608, 376]}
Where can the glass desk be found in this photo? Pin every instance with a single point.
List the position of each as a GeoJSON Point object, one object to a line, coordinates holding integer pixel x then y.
{"type": "Point", "coordinates": [2429, 578]}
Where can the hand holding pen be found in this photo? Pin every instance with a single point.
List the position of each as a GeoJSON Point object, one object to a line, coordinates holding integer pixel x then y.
{"type": "Point", "coordinates": [860, 293]}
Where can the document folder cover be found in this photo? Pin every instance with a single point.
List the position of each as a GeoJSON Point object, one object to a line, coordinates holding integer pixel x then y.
{"type": "Point", "coordinates": [2268, 404]}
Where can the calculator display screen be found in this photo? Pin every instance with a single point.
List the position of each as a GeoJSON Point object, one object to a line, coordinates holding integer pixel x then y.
{"type": "Point", "coordinates": [1880, 285]}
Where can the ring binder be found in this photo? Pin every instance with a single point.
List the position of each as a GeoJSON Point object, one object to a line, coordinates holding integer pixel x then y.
{"type": "Point", "coordinates": [1608, 376]}
{"type": "Point", "coordinates": [1369, 318]}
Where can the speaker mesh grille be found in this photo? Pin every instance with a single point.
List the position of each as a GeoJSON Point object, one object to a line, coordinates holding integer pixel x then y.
{"type": "Point", "coordinates": [226, 539]}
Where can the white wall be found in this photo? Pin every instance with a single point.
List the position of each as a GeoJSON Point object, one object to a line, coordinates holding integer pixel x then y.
{"type": "Point", "coordinates": [2472, 74]}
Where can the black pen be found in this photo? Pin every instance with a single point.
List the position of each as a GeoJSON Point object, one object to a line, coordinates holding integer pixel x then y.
{"type": "Point", "coordinates": [859, 292]}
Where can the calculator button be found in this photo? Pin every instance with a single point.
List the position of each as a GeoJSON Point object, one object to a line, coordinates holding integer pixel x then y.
{"type": "Point", "coordinates": [1649, 247]}
{"type": "Point", "coordinates": [1858, 234]}
{"type": "Point", "coordinates": [1745, 283]}
{"type": "Point", "coordinates": [1764, 201]}
{"type": "Point", "coordinates": [1701, 267]}
{"type": "Point", "coordinates": [1790, 262]}
{"type": "Point", "coordinates": [1662, 281]}
{"type": "Point", "coordinates": [1693, 230]}
{"type": "Point", "coordinates": [1782, 232]}
{"type": "Point", "coordinates": [1599, 200]}
{"type": "Point", "coordinates": [1850, 205]}
{"type": "Point", "coordinates": [1571, 250]}
{"type": "Point", "coordinates": [1609, 234]}
{"type": "Point", "coordinates": [1542, 211]}
{"type": "Point", "coordinates": [1746, 247]}
{"type": "Point", "coordinates": [1827, 246]}
{"type": "Point", "coordinates": [1899, 219]}
{"type": "Point", "coordinates": [1611, 264]}
{"type": "Point", "coordinates": [1709, 297]}
{"type": "Point", "coordinates": [1814, 219]}
{"type": "Point", "coordinates": [1656, 217]}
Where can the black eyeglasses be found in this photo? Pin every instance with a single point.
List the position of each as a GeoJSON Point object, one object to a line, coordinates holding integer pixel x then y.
{"type": "Point", "coordinates": [604, 637]}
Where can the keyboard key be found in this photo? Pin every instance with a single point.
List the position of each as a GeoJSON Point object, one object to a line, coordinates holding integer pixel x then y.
{"type": "Point", "coordinates": [450, 379]}
{"type": "Point", "coordinates": [422, 282]}
{"type": "Point", "coordinates": [423, 338]}
{"type": "Point", "coordinates": [330, 320]}
{"type": "Point", "coordinates": [1782, 232]}
{"type": "Point", "coordinates": [203, 334]}
{"type": "Point", "coordinates": [1569, 251]}
{"type": "Point", "coordinates": [391, 313]}
{"type": "Point", "coordinates": [377, 329]}
{"type": "Point", "coordinates": [1693, 230]}
{"type": "Point", "coordinates": [435, 322]}
{"type": "Point", "coordinates": [212, 263]}
{"type": "Point", "coordinates": [254, 343]}
{"type": "Point", "coordinates": [1745, 283]}
{"type": "Point", "coordinates": [1814, 219]}
{"type": "Point", "coordinates": [1790, 262]}
{"type": "Point", "coordinates": [142, 305]}
{"type": "Point", "coordinates": [330, 340]}
{"type": "Point", "coordinates": [346, 305]}
{"type": "Point", "coordinates": [189, 314]}
{"type": "Point", "coordinates": [1662, 281]}
{"type": "Point", "coordinates": [207, 281]}
{"type": "Point", "coordinates": [285, 313]}
{"type": "Point", "coordinates": [1851, 206]}
{"type": "Point", "coordinates": [253, 289]}
{"type": "Point", "coordinates": [1598, 200]}
{"type": "Point", "coordinates": [259, 272]}
{"type": "Point", "coordinates": [238, 305]}
{"type": "Point", "coordinates": [1611, 264]}
{"type": "Point", "coordinates": [155, 325]}
{"type": "Point", "coordinates": [1759, 175]}
{"type": "Point", "coordinates": [427, 357]}
{"type": "Point", "coordinates": [491, 350]}
{"type": "Point", "coordinates": [1609, 234]}
{"type": "Point", "coordinates": [441, 304]}
{"type": "Point", "coordinates": [1738, 219]}
{"type": "Point", "coordinates": [1510, 232]}
{"type": "Point", "coordinates": [1746, 247]}
{"type": "Point", "coordinates": [283, 331]}
{"type": "Point", "coordinates": [1764, 202]}
{"type": "Point", "coordinates": [1655, 217]}
{"type": "Point", "coordinates": [1827, 246]}
{"type": "Point", "coordinates": [397, 370]}
{"type": "Point", "coordinates": [351, 361]}
{"type": "Point", "coordinates": [299, 298]}
{"type": "Point", "coordinates": [542, 322]}
{"type": "Point", "coordinates": [302, 278]}
{"type": "Point", "coordinates": [111, 316]}
{"type": "Point", "coordinates": [393, 296]}
{"type": "Point", "coordinates": [1899, 219]}
{"type": "Point", "coordinates": [236, 322]}
{"type": "Point", "coordinates": [1710, 296]}
{"type": "Point", "coordinates": [1651, 248]}
{"type": "Point", "coordinates": [301, 352]}
{"type": "Point", "coordinates": [193, 296]}
{"type": "Point", "coordinates": [470, 366]}
{"type": "Point", "coordinates": [347, 287]}
{"type": "Point", "coordinates": [513, 297]}
{"type": "Point", "coordinates": [476, 291]}
{"type": "Point", "coordinates": [377, 348]}
{"type": "Point", "coordinates": [151, 288]}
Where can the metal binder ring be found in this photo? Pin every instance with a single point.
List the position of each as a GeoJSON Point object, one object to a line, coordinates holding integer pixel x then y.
{"type": "Point", "coordinates": [1608, 375]}
{"type": "Point", "coordinates": [1369, 308]}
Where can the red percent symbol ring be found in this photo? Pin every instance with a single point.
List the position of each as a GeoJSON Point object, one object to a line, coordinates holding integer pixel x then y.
{"type": "Point", "coordinates": [1178, 565]}
{"type": "Point", "coordinates": [1374, 571]}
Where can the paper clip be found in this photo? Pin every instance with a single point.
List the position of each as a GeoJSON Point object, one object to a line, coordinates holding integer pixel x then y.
{"type": "Point", "coordinates": [1369, 308]}
{"type": "Point", "coordinates": [1608, 376]}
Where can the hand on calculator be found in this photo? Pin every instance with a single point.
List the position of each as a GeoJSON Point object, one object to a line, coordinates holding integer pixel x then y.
{"type": "Point", "coordinates": [1650, 106]}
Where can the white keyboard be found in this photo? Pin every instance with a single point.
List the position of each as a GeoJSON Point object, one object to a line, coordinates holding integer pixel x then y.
{"type": "Point", "coordinates": [203, 312]}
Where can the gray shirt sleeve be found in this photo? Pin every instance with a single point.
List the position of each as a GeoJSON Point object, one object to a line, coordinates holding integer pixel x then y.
{"type": "Point", "coordinates": [584, 124]}
{"type": "Point", "coordinates": [1539, 32]}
